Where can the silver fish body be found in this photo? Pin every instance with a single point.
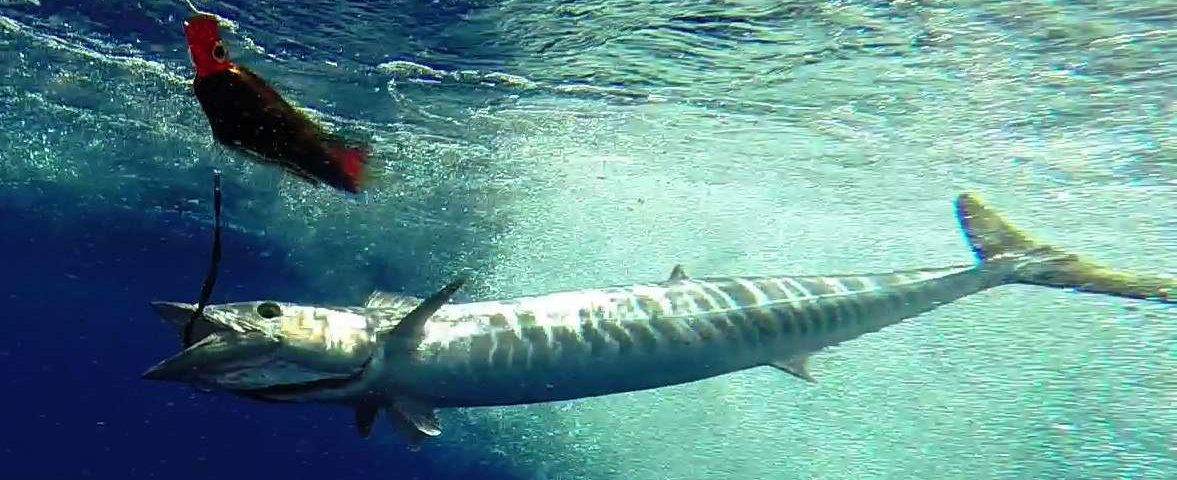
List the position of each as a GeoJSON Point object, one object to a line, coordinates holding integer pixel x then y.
{"type": "Point", "coordinates": [410, 356]}
{"type": "Point", "coordinates": [596, 342]}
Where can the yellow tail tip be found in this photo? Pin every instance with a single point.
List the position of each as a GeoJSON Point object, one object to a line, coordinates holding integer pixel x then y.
{"type": "Point", "coordinates": [993, 239]}
{"type": "Point", "coordinates": [988, 234]}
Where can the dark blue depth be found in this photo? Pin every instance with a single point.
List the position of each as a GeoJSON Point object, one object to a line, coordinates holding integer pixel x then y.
{"type": "Point", "coordinates": [78, 331]}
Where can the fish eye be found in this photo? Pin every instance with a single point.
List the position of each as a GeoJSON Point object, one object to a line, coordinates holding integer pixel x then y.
{"type": "Point", "coordinates": [269, 310]}
{"type": "Point", "coordinates": [220, 53]}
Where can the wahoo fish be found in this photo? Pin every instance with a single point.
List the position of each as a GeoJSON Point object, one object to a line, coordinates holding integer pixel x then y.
{"type": "Point", "coordinates": [410, 356]}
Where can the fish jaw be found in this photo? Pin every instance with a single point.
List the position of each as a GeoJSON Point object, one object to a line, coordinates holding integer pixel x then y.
{"type": "Point", "coordinates": [179, 316]}
{"type": "Point", "coordinates": [219, 360]}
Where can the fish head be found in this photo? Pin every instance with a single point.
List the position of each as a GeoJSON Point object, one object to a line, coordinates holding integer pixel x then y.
{"type": "Point", "coordinates": [209, 53]}
{"type": "Point", "coordinates": [264, 345]}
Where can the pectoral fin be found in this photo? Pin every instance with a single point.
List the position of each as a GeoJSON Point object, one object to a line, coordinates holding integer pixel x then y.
{"type": "Point", "coordinates": [365, 418]}
{"type": "Point", "coordinates": [414, 420]}
{"type": "Point", "coordinates": [411, 329]}
{"type": "Point", "coordinates": [795, 366]}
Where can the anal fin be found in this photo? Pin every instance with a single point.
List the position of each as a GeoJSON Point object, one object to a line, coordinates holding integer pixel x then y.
{"type": "Point", "coordinates": [795, 366]}
{"type": "Point", "coordinates": [414, 420]}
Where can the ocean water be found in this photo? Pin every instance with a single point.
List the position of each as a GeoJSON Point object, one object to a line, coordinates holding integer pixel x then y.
{"type": "Point", "coordinates": [576, 144]}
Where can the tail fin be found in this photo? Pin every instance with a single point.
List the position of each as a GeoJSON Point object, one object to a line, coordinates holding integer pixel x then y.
{"type": "Point", "coordinates": [993, 239]}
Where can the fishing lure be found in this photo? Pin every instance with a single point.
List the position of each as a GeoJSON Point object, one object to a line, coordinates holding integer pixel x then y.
{"type": "Point", "coordinates": [249, 116]}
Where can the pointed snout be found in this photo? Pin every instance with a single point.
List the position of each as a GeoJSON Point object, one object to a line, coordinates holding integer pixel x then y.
{"type": "Point", "coordinates": [162, 372]}
{"type": "Point", "coordinates": [225, 359]}
{"type": "Point", "coordinates": [180, 367]}
{"type": "Point", "coordinates": [175, 314]}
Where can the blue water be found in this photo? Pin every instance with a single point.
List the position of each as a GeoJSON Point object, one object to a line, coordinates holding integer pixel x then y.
{"type": "Point", "coordinates": [79, 333]}
{"type": "Point", "coordinates": [79, 327]}
{"type": "Point", "coordinates": [552, 145]}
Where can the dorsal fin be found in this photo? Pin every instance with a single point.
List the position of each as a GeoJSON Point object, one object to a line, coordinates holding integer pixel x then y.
{"type": "Point", "coordinates": [677, 273]}
{"type": "Point", "coordinates": [379, 299]}
{"type": "Point", "coordinates": [407, 333]}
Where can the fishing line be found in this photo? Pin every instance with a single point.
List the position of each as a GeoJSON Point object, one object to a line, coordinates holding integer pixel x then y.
{"type": "Point", "coordinates": [210, 279]}
{"type": "Point", "coordinates": [193, 7]}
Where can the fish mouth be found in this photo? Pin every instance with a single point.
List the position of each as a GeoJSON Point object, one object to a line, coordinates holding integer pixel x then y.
{"type": "Point", "coordinates": [166, 371]}
{"type": "Point", "coordinates": [247, 363]}
{"type": "Point", "coordinates": [222, 358]}
{"type": "Point", "coordinates": [174, 313]}
{"type": "Point", "coordinates": [223, 349]}
{"type": "Point", "coordinates": [178, 368]}
{"type": "Point", "coordinates": [180, 317]}
{"type": "Point", "coordinates": [226, 319]}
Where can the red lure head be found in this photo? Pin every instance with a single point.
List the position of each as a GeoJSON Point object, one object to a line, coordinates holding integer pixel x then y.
{"type": "Point", "coordinates": [209, 53]}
